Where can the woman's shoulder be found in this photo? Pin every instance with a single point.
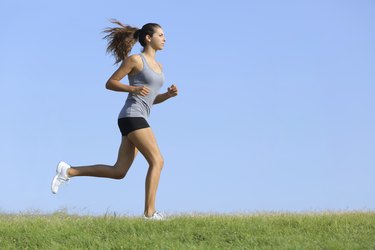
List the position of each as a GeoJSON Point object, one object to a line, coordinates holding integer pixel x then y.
{"type": "Point", "coordinates": [134, 58]}
{"type": "Point", "coordinates": [134, 62]}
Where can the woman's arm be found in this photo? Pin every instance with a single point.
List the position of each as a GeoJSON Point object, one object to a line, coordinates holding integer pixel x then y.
{"type": "Point", "coordinates": [126, 67]}
{"type": "Point", "coordinates": [172, 91]}
{"type": "Point", "coordinates": [161, 98]}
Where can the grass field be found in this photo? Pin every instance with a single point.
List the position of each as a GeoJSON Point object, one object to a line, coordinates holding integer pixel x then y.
{"type": "Point", "coordinates": [349, 230]}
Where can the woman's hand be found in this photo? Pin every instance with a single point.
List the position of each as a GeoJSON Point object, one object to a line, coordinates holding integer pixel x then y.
{"type": "Point", "coordinates": [172, 91]}
{"type": "Point", "coordinates": [141, 90]}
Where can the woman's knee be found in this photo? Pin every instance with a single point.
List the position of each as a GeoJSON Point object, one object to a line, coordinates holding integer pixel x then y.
{"type": "Point", "coordinates": [118, 173]}
{"type": "Point", "coordinates": [157, 161]}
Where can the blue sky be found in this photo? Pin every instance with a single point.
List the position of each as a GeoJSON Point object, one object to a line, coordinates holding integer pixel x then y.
{"type": "Point", "coordinates": [275, 109]}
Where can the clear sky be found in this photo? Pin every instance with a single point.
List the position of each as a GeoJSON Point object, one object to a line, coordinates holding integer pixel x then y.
{"type": "Point", "coordinates": [275, 110]}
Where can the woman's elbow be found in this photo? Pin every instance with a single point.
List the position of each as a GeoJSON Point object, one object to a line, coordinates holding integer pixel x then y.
{"type": "Point", "coordinates": [108, 85]}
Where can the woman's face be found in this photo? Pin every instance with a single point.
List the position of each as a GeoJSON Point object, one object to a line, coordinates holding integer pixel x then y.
{"type": "Point", "coordinates": [158, 39]}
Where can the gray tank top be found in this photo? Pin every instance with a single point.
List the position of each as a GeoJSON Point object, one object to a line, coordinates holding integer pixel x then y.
{"type": "Point", "coordinates": [140, 106]}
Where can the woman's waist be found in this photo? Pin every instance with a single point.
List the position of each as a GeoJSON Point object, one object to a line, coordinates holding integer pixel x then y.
{"type": "Point", "coordinates": [146, 100]}
{"type": "Point", "coordinates": [132, 101]}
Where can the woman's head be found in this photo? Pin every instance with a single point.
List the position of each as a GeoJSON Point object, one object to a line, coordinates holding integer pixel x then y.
{"type": "Point", "coordinates": [121, 39]}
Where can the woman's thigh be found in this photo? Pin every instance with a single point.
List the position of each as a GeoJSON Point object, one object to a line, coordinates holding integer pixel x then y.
{"type": "Point", "coordinates": [145, 141]}
{"type": "Point", "coordinates": [126, 154]}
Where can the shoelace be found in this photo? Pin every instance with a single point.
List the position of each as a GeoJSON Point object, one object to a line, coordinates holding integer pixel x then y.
{"type": "Point", "coordinates": [159, 214]}
{"type": "Point", "coordinates": [62, 179]}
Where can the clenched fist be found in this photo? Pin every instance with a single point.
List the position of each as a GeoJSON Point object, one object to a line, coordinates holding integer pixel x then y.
{"type": "Point", "coordinates": [172, 91]}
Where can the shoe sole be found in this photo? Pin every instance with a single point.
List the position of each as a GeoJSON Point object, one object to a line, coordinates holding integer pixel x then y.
{"type": "Point", "coordinates": [58, 171]}
{"type": "Point", "coordinates": [52, 184]}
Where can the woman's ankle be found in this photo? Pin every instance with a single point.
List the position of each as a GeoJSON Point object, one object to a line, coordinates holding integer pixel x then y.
{"type": "Point", "coordinates": [148, 213]}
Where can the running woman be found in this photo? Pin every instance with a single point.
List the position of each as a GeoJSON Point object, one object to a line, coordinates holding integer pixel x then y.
{"type": "Point", "coordinates": [145, 80]}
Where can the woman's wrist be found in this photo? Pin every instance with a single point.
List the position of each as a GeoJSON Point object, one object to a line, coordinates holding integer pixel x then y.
{"type": "Point", "coordinates": [168, 95]}
{"type": "Point", "coordinates": [132, 89]}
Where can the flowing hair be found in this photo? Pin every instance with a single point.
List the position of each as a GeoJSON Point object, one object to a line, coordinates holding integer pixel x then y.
{"type": "Point", "coordinates": [121, 39]}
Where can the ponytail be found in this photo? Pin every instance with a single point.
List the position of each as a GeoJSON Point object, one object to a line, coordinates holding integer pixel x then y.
{"type": "Point", "coordinates": [121, 40]}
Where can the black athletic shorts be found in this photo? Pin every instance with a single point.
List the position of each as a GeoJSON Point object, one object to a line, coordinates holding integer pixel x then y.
{"type": "Point", "coordinates": [129, 124]}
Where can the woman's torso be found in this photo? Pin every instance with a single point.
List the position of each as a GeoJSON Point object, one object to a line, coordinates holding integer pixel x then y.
{"type": "Point", "coordinates": [140, 106]}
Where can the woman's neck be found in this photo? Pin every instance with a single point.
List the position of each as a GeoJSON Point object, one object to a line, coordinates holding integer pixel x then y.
{"type": "Point", "coordinates": [150, 52]}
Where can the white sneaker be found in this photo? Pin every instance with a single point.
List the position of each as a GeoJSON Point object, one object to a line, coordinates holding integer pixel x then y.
{"type": "Point", "coordinates": [60, 177]}
{"type": "Point", "coordinates": [155, 216]}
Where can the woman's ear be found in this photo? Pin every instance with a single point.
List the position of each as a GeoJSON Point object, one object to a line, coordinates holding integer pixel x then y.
{"type": "Point", "coordinates": [148, 38]}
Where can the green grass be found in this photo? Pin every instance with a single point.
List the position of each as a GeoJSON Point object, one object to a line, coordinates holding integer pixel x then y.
{"type": "Point", "coordinates": [350, 230]}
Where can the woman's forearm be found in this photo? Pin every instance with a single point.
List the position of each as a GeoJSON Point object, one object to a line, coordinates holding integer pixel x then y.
{"type": "Point", "coordinates": [118, 86]}
{"type": "Point", "coordinates": [161, 98]}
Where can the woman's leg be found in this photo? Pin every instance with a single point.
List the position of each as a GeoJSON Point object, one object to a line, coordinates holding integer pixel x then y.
{"type": "Point", "coordinates": [126, 155]}
{"type": "Point", "coordinates": [145, 141]}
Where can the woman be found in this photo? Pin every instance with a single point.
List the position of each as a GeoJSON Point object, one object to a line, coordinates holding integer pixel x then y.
{"type": "Point", "coordinates": [145, 79]}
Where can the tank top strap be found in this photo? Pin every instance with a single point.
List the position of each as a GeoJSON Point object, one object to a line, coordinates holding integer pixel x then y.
{"type": "Point", "coordinates": [145, 64]}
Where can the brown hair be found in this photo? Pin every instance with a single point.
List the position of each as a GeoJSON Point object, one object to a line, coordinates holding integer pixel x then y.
{"type": "Point", "coordinates": [121, 39]}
